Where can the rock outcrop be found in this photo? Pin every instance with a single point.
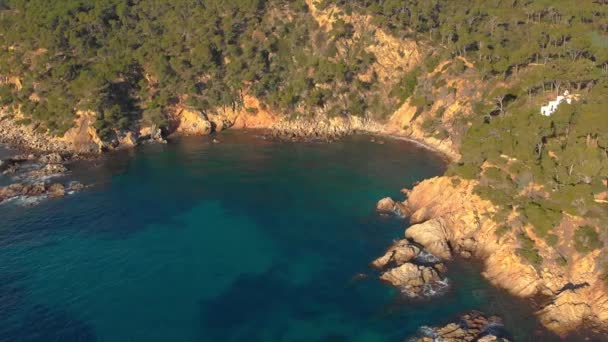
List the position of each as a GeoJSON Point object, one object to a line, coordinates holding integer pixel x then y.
{"type": "Point", "coordinates": [408, 266]}
{"type": "Point", "coordinates": [432, 235]}
{"type": "Point", "coordinates": [83, 137]}
{"type": "Point", "coordinates": [32, 176]}
{"type": "Point", "coordinates": [399, 253]}
{"type": "Point", "coordinates": [449, 219]}
{"type": "Point", "coordinates": [32, 193]}
{"type": "Point", "coordinates": [190, 122]}
{"type": "Point", "coordinates": [322, 128]}
{"type": "Point", "coordinates": [414, 281]}
{"type": "Point", "coordinates": [474, 326]}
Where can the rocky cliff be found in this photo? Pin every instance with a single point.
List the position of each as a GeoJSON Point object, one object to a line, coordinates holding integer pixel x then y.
{"type": "Point", "coordinates": [449, 220]}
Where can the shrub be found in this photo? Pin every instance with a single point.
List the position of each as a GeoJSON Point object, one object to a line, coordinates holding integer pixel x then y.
{"type": "Point", "coordinates": [586, 239]}
{"type": "Point", "coordinates": [6, 95]}
{"type": "Point", "coordinates": [458, 66]}
{"type": "Point", "coordinates": [464, 170]}
{"type": "Point", "coordinates": [24, 122]}
{"type": "Point", "coordinates": [439, 83]}
{"type": "Point", "coordinates": [404, 89]}
{"type": "Point", "coordinates": [432, 63]}
{"type": "Point", "coordinates": [528, 251]}
{"type": "Point", "coordinates": [552, 240]}
{"type": "Point", "coordinates": [502, 230]}
{"type": "Point", "coordinates": [542, 218]}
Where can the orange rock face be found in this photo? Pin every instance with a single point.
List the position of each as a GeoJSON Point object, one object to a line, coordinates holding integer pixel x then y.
{"type": "Point", "coordinates": [463, 219]}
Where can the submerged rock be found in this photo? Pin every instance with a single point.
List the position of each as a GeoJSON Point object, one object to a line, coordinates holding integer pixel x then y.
{"type": "Point", "coordinates": [76, 186]}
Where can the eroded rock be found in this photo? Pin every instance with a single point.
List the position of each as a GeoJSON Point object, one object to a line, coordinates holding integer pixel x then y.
{"type": "Point", "coordinates": [385, 205]}
{"type": "Point", "coordinates": [399, 253]}
{"type": "Point", "coordinates": [474, 326]}
{"type": "Point", "coordinates": [51, 158]}
{"type": "Point", "coordinates": [31, 193]}
{"type": "Point", "coordinates": [56, 190]}
{"type": "Point", "coordinates": [432, 236]}
{"type": "Point", "coordinates": [415, 281]}
{"type": "Point", "coordinates": [192, 122]}
{"type": "Point", "coordinates": [48, 170]}
{"type": "Point", "coordinates": [324, 129]}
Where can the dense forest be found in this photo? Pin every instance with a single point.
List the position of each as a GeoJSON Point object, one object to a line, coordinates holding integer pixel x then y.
{"type": "Point", "coordinates": [131, 60]}
{"type": "Point", "coordinates": [537, 169]}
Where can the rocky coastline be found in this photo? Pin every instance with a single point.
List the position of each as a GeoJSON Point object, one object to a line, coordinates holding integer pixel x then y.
{"type": "Point", "coordinates": [473, 326]}
{"type": "Point", "coordinates": [33, 177]}
{"type": "Point", "coordinates": [450, 221]}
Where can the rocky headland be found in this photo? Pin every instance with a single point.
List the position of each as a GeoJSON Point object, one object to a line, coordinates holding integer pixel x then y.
{"type": "Point", "coordinates": [449, 220]}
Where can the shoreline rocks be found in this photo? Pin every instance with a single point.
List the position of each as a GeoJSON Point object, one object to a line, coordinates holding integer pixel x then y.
{"type": "Point", "coordinates": [39, 190]}
{"type": "Point", "coordinates": [450, 220]}
{"type": "Point", "coordinates": [407, 265]}
{"type": "Point", "coordinates": [322, 129]}
{"type": "Point", "coordinates": [474, 326]}
{"type": "Point", "coordinates": [387, 206]}
{"type": "Point", "coordinates": [31, 176]}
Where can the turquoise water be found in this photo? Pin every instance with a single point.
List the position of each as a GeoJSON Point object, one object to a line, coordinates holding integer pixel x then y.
{"type": "Point", "coordinates": [246, 240]}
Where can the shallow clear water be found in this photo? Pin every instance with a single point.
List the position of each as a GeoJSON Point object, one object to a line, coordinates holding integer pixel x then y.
{"type": "Point", "coordinates": [246, 240]}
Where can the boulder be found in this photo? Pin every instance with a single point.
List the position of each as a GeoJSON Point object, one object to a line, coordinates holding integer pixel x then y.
{"type": "Point", "coordinates": [399, 253]}
{"type": "Point", "coordinates": [474, 326]}
{"type": "Point", "coordinates": [51, 158]}
{"type": "Point", "coordinates": [56, 190]}
{"type": "Point", "coordinates": [48, 170]}
{"type": "Point", "coordinates": [412, 277]}
{"type": "Point", "coordinates": [151, 133]}
{"type": "Point", "coordinates": [11, 191]}
{"type": "Point", "coordinates": [127, 139]}
{"type": "Point", "coordinates": [385, 205]}
{"type": "Point", "coordinates": [192, 122]}
{"type": "Point", "coordinates": [432, 236]}
{"type": "Point", "coordinates": [35, 189]}
{"type": "Point", "coordinates": [76, 186]}
{"type": "Point", "coordinates": [9, 167]}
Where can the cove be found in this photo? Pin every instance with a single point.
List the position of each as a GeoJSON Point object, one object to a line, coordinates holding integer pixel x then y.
{"type": "Point", "coordinates": [245, 240]}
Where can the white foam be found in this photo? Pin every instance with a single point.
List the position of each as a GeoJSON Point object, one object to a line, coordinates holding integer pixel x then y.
{"type": "Point", "coordinates": [26, 201]}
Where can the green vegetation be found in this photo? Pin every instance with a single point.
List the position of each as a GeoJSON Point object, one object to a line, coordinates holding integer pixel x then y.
{"type": "Point", "coordinates": [562, 261]}
{"type": "Point", "coordinates": [406, 86]}
{"type": "Point", "coordinates": [535, 50]}
{"type": "Point", "coordinates": [586, 239]}
{"type": "Point", "coordinates": [132, 61]}
{"type": "Point", "coordinates": [527, 250]}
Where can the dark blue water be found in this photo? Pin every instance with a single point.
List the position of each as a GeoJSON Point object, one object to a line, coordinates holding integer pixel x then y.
{"type": "Point", "coordinates": [246, 240]}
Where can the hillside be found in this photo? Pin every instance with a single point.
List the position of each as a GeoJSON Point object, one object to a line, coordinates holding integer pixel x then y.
{"type": "Point", "coordinates": [466, 77]}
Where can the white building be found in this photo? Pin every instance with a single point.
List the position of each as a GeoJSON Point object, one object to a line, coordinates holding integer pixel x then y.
{"type": "Point", "coordinates": [552, 106]}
